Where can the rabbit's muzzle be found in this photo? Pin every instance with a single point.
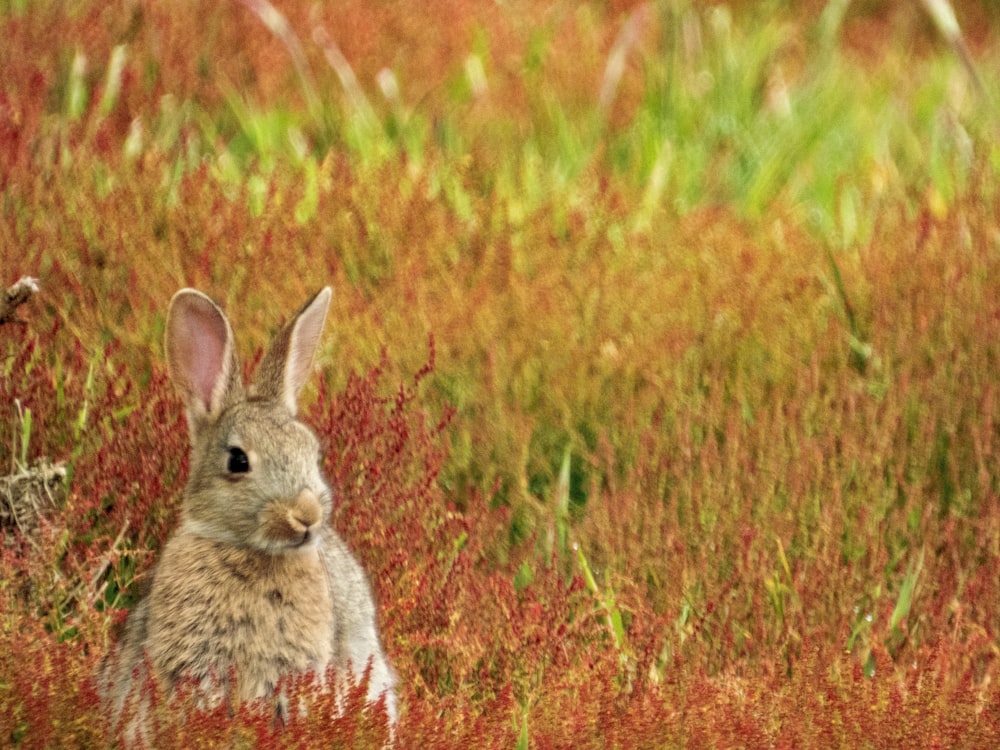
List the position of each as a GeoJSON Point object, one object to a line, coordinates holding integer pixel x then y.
{"type": "Point", "coordinates": [291, 523]}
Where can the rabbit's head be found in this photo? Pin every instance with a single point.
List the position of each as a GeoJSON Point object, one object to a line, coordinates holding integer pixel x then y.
{"type": "Point", "coordinates": [255, 480]}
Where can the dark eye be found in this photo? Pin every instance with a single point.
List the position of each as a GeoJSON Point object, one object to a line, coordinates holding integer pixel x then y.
{"type": "Point", "coordinates": [238, 462]}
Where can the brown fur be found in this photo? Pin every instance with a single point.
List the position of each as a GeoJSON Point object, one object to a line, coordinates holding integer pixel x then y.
{"type": "Point", "coordinates": [267, 616]}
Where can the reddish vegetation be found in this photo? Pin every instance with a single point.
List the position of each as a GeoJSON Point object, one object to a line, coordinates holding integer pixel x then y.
{"type": "Point", "coordinates": [475, 654]}
{"type": "Point", "coordinates": [764, 467]}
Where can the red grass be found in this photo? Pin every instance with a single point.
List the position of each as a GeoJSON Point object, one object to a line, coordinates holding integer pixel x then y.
{"type": "Point", "coordinates": [475, 654]}
{"type": "Point", "coordinates": [751, 493]}
{"type": "Point", "coordinates": [847, 485]}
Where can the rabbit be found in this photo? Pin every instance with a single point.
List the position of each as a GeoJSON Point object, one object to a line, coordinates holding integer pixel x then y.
{"type": "Point", "coordinates": [254, 582]}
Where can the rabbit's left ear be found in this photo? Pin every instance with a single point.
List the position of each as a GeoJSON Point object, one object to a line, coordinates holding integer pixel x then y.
{"type": "Point", "coordinates": [201, 357]}
{"type": "Point", "coordinates": [286, 366]}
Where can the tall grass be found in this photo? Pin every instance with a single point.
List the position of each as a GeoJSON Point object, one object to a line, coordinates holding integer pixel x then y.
{"type": "Point", "coordinates": [708, 300]}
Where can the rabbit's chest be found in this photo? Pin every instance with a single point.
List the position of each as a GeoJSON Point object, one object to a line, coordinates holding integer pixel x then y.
{"type": "Point", "coordinates": [265, 616]}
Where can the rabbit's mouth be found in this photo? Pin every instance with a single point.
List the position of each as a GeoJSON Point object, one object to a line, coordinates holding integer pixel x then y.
{"type": "Point", "coordinates": [286, 539]}
{"type": "Point", "coordinates": [307, 540]}
{"type": "Point", "coordinates": [291, 525]}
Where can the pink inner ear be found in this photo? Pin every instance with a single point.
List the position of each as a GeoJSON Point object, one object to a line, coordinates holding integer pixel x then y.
{"type": "Point", "coordinates": [201, 350]}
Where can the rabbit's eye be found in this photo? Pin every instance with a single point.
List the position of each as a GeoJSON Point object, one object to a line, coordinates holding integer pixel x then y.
{"type": "Point", "coordinates": [238, 462]}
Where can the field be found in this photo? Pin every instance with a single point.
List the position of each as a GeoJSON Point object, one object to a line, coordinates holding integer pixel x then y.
{"type": "Point", "coordinates": [660, 391]}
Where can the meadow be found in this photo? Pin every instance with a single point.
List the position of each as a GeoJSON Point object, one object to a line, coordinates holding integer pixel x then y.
{"type": "Point", "coordinates": [659, 392]}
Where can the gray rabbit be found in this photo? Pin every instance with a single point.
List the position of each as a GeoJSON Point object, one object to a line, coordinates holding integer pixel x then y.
{"type": "Point", "coordinates": [254, 582]}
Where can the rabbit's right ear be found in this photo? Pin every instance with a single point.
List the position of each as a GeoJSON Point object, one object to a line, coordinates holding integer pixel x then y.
{"type": "Point", "coordinates": [201, 356]}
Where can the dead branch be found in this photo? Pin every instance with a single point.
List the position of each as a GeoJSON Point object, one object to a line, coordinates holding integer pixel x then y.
{"type": "Point", "coordinates": [29, 494]}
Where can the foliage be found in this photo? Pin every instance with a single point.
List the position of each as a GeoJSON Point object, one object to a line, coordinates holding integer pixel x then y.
{"type": "Point", "coordinates": [658, 395]}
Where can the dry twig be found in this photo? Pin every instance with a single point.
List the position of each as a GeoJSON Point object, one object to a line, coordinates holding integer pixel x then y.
{"type": "Point", "coordinates": [16, 295]}
{"type": "Point", "coordinates": [27, 495]}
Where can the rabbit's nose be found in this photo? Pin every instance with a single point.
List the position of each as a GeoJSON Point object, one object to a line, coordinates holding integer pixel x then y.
{"type": "Point", "coordinates": [289, 521]}
{"type": "Point", "coordinates": [305, 512]}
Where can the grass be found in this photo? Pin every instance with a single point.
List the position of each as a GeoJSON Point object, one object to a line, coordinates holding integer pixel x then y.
{"type": "Point", "coordinates": [659, 384]}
